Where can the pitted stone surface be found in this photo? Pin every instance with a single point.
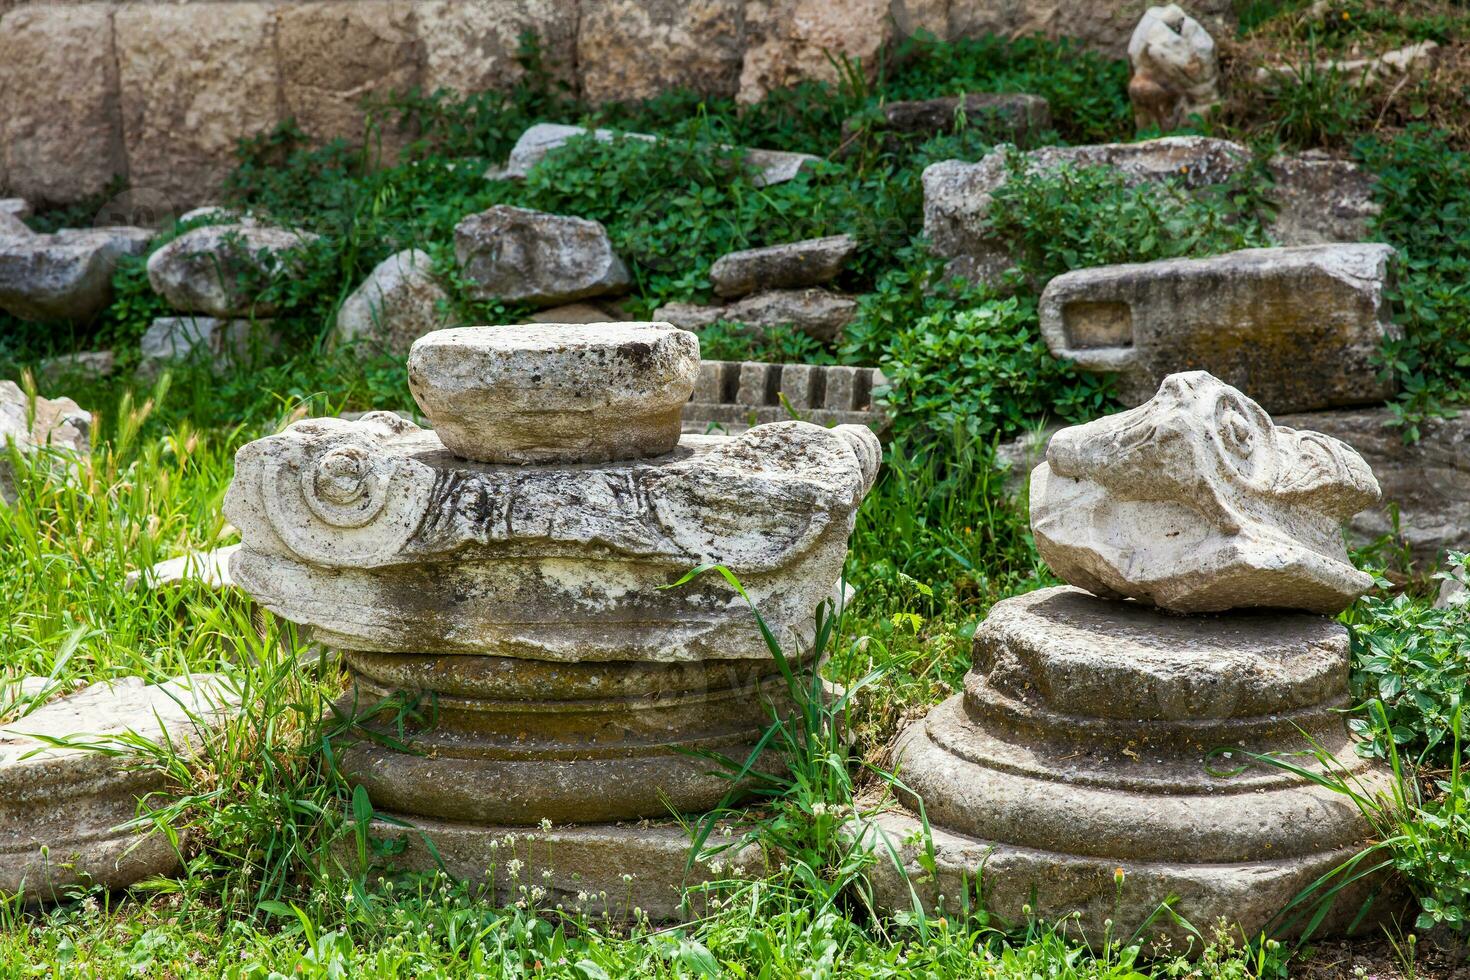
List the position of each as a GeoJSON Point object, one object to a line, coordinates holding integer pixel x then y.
{"type": "Point", "coordinates": [399, 302]}
{"type": "Point", "coordinates": [819, 313]}
{"type": "Point", "coordinates": [61, 805]}
{"type": "Point", "coordinates": [1294, 328]}
{"type": "Point", "coordinates": [811, 262]}
{"type": "Point", "coordinates": [56, 423]}
{"type": "Point", "coordinates": [201, 270]}
{"type": "Point", "coordinates": [732, 396]}
{"type": "Point", "coordinates": [1197, 502]}
{"type": "Point", "coordinates": [555, 392]}
{"type": "Point", "coordinates": [66, 275]}
{"type": "Point", "coordinates": [524, 256]}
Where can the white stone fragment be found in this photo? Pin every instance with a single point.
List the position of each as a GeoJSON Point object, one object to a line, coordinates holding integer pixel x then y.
{"type": "Point", "coordinates": [396, 304]}
{"type": "Point", "coordinates": [1176, 73]}
{"type": "Point", "coordinates": [555, 392]}
{"type": "Point", "coordinates": [55, 423]}
{"type": "Point", "coordinates": [210, 568]}
{"type": "Point", "coordinates": [1197, 502]}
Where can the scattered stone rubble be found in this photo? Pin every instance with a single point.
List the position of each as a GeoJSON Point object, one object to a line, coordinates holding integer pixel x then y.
{"type": "Point", "coordinates": [54, 423]}
{"type": "Point", "coordinates": [1083, 770]}
{"type": "Point", "coordinates": [524, 256]}
{"type": "Point", "coordinates": [65, 275]}
{"type": "Point", "coordinates": [64, 808]}
{"type": "Point", "coordinates": [1411, 62]}
{"type": "Point", "coordinates": [1295, 328]}
{"type": "Point", "coordinates": [218, 270]}
{"type": "Point", "coordinates": [767, 167]}
{"type": "Point", "coordinates": [1317, 202]}
{"type": "Point", "coordinates": [1175, 71]}
{"type": "Point", "coordinates": [731, 396]}
{"type": "Point", "coordinates": [526, 599]}
{"type": "Point", "coordinates": [818, 313]}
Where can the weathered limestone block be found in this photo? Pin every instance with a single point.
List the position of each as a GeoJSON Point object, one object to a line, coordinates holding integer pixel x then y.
{"type": "Point", "coordinates": [633, 49]}
{"type": "Point", "coordinates": [766, 167]}
{"type": "Point", "coordinates": [1084, 747]}
{"type": "Point", "coordinates": [524, 256]}
{"type": "Point", "coordinates": [1320, 199]}
{"type": "Point", "coordinates": [399, 302]}
{"type": "Point", "coordinates": [195, 80]}
{"type": "Point", "coordinates": [1294, 328]}
{"type": "Point", "coordinates": [13, 227]}
{"type": "Point", "coordinates": [334, 54]}
{"type": "Point", "coordinates": [470, 45]}
{"type": "Point", "coordinates": [1175, 71]}
{"type": "Point", "coordinates": [56, 423]}
{"type": "Point", "coordinates": [221, 344]}
{"type": "Point", "coordinates": [63, 807]}
{"type": "Point", "coordinates": [811, 262]}
{"type": "Point", "coordinates": [60, 136]}
{"type": "Point", "coordinates": [15, 207]}
{"type": "Point", "coordinates": [502, 588]}
{"type": "Point", "coordinates": [1015, 114]}
{"type": "Point", "coordinates": [1427, 480]}
{"type": "Point", "coordinates": [555, 392]}
{"type": "Point", "coordinates": [66, 275]}
{"type": "Point", "coordinates": [220, 269]}
{"type": "Point", "coordinates": [818, 313]}
{"type": "Point", "coordinates": [788, 41]}
{"type": "Point", "coordinates": [731, 396]}
{"type": "Point", "coordinates": [1197, 502]}
{"type": "Point", "coordinates": [957, 194]}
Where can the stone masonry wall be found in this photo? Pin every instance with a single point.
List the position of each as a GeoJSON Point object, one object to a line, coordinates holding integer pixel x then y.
{"type": "Point", "coordinates": [159, 93]}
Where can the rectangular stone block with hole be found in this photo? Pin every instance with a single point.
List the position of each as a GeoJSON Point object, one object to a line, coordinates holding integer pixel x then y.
{"type": "Point", "coordinates": [731, 396]}
{"type": "Point", "coordinates": [1296, 329]}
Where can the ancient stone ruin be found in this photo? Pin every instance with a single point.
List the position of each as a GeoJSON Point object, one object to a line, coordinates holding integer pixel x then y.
{"type": "Point", "coordinates": [1096, 761]}
{"type": "Point", "coordinates": [1175, 71]}
{"type": "Point", "coordinates": [495, 588]}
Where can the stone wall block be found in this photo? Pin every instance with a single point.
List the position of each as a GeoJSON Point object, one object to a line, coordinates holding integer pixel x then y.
{"type": "Point", "coordinates": [632, 49]}
{"type": "Point", "coordinates": [788, 41]}
{"type": "Point", "coordinates": [338, 54]}
{"type": "Point", "coordinates": [470, 45]}
{"type": "Point", "coordinates": [60, 136]}
{"type": "Point", "coordinates": [195, 80]}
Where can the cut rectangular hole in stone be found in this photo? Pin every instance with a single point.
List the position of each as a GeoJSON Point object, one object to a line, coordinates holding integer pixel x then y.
{"type": "Point", "coordinates": [1094, 323]}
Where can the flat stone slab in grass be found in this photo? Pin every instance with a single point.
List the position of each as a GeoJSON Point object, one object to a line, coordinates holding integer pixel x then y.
{"type": "Point", "coordinates": [66, 275]}
{"type": "Point", "coordinates": [811, 262]}
{"type": "Point", "coordinates": [1015, 113]}
{"type": "Point", "coordinates": [221, 344]}
{"type": "Point", "coordinates": [1197, 502]}
{"type": "Point", "coordinates": [767, 166]}
{"type": "Point", "coordinates": [209, 568]}
{"type": "Point", "coordinates": [555, 392]}
{"type": "Point", "coordinates": [56, 423]}
{"type": "Point", "coordinates": [818, 313]}
{"type": "Point", "coordinates": [62, 806]}
{"type": "Point", "coordinates": [395, 305]}
{"type": "Point", "coordinates": [218, 270]}
{"type": "Point", "coordinates": [522, 256]}
{"type": "Point", "coordinates": [731, 396]}
{"type": "Point", "coordinates": [1294, 328]}
{"type": "Point", "coordinates": [587, 864]}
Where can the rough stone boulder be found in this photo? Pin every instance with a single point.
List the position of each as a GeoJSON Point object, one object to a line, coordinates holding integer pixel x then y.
{"type": "Point", "coordinates": [1175, 71]}
{"type": "Point", "coordinates": [395, 305]}
{"type": "Point", "coordinates": [16, 207]}
{"type": "Point", "coordinates": [1427, 481]}
{"type": "Point", "coordinates": [818, 313]}
{"type": "Point", "coordinates": [1015, 114]}
{"type": "Point", "coordinates": [766, 167]}
{"type": "Point", "coordinates": [221, 344]}
{"type": "Point", "coordinates": [219, 270]}
{"type": "Point", "coordinates": [522, 256]}
{"type": "Point", "coordinates": [555, 392]}
{"type": "Point", "coordinates": [1197, 502]}
{"type": "Point", "coordinates": [1318, 200]}
{"type": "Point", "coordinates": [811, 262]}
{"type": "Point", "coordinates": [70, 782]}
{"type": "Point", "coordinates": [12, 227]}
{"type": "Point", "coordinates": [1294, 328]}
{"type": "Point", "coordinates": [66, 275]}
{"type": "Point", "coordinates": [56, 423]}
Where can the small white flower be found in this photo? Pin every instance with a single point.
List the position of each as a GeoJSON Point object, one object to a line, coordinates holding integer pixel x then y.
{"type": "Point", "coordinates": [513, 866]}
{"type": "Point", "coordinates": [545, 824]}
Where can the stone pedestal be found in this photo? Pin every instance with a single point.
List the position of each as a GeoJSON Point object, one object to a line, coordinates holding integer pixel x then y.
{"type": "Point", "coordinates": [504, 609]}
{"type": "Point", "coordinates": [1094, 736]}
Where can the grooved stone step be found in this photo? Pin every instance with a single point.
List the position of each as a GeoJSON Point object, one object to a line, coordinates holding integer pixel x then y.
{"type": "Point", "coordinates": [731, 396]}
